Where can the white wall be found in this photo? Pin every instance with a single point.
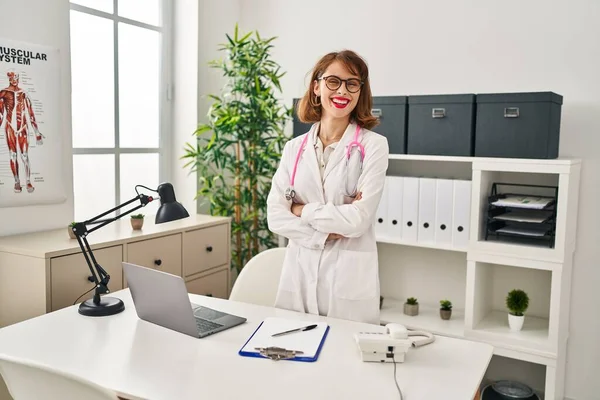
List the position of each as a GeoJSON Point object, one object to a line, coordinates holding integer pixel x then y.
{"type": "Point", "coordinates": [200, 27]}
{"type": "Point", "coordinates": [432, 47]}
{"type": "Point", "coordinates": [185, 96]}
{"type": "Point", "coordinates": [44, 22]}
{"type": "Point", "coordinates": [47, 25]}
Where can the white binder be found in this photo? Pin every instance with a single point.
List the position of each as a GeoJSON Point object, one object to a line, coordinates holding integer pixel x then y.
{"type": "Point", "coordinates": [394, 211]}
{"type": "Point", "coordinates": [444, 199]}
{"type": "Point", "coordinates": [426, 230]}
{"type": "Point", "coordinates": [410, 209]}
{"type": "Point", "coordinates": [462, 213]}
{"type": "Point", "coordinates": [381, 216]}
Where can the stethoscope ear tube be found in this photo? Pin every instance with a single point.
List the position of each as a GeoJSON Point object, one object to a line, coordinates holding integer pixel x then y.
{"type": "Point", "coordinates": [290, 193]}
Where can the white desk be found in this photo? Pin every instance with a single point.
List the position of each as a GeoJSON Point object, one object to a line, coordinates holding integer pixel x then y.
{"type": "Point", "coordinates": [141, 360]}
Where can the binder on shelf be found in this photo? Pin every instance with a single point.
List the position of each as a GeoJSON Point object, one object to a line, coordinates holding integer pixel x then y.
{"type": "Point", "coordinates": [426, 229]}
{"type": "Point", "coordinates": [462, 213]}
{"type": "Point", "coordinates": [297, 346]}
{"type": "Point", "coordinates": [394, 204]}
{"type": "Point", "coordinates": [522, 215]}
{"type": "Point", "coordinates": [381, 219]}
{"type": "Point", "coordinates": [444, 201]}
{"type": "Point", "coordinates": [410, 209]}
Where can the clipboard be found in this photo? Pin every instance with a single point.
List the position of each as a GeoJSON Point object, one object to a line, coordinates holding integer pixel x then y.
{"type": "Point", "coordinates": [298, 346]}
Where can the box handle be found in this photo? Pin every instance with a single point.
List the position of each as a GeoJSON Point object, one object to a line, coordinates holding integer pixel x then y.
{"type": "Point", "coordinates": [438, 112]}
{"type": "Point", "coordinates": [511, 112]}
{"type": "Point", "coordinates": [377, 112]}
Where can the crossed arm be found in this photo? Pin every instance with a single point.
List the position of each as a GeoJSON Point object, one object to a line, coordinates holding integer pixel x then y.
{"type": "Point", "coordinates": [353, 220]}
{"type": "Point", "coordinates": [280, 218]}
{"type": "Point", "coordinates": [312, 224]}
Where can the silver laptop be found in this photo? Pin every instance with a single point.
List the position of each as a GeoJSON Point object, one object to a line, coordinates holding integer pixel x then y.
{"type": "Point", "coordinates": [162, 299]}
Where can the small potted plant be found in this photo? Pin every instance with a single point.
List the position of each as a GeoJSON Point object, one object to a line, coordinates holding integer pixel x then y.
{"type": "Point", "coordinates": [411, 307]}
{"type": "Point", "coordinates": [445, 309]}
{"type": "Point", "coordinates": [70, 230]}
{"type": "Point", "coordinates": [517, 303]}
{"type": "Point", "coordinates": [137, 221]}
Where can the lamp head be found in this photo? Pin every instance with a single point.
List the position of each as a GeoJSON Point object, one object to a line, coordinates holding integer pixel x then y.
{"type": "Point", "coordinates": [170, 209]}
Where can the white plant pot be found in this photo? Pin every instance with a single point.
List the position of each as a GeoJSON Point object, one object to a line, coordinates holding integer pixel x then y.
{"type": "Point", "coordinates": [515, 323]}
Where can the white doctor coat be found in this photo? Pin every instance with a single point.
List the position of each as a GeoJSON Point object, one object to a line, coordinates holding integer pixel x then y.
{"type": "Point", "coordinates": [339, 276]}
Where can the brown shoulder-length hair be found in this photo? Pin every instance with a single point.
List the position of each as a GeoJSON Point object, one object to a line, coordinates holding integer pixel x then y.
{"type": "Point", "coordinates": [309, 110]}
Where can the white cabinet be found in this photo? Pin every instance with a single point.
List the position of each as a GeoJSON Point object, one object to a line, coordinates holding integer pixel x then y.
{"type": "Point", "coordinates": [474, 273]}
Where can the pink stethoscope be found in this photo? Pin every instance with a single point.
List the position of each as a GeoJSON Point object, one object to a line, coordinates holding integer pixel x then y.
{"type": "Point", "coordinates": [290, 193]}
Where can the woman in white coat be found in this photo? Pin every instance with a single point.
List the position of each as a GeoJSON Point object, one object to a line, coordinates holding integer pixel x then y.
{"type": "Point", "coordinates": [325, 194]}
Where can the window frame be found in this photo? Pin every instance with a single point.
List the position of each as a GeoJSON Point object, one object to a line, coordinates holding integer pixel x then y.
{"type": "Point", "coordinates": [165, 141]}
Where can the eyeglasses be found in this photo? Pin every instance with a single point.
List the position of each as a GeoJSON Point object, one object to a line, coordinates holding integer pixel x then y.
{"type": "Point", "coordinates": [333, 83]}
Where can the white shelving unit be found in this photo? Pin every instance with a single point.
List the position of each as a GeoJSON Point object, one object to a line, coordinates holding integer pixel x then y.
{"type": "Point", "coordinates": [477, 278]}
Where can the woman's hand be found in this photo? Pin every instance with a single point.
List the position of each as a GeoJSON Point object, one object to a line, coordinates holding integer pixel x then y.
{"type": "Point", "coordinates": [297, 209]}
{"type": "Point", "coordinates": [334, 236]}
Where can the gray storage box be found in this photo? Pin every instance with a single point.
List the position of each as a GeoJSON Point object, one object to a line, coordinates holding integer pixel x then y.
{"type": "Point", "coordinates": [518, 125]}
{"type": "Point", "coordinates": [299, 128]}
{"type": "Point", "coordinates": [441, 125]}
{"type": "Point", "coordinates": [391, 111]}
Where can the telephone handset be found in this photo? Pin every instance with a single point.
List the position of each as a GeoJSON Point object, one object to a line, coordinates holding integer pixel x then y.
{"type": "Point", "coordinates": [392, 345]}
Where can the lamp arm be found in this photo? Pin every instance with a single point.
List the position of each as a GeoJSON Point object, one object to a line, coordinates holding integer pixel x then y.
{"type": "Point", "coordinates": [99, 274]}
{"type": "Point", "coordinates": [103, 222]}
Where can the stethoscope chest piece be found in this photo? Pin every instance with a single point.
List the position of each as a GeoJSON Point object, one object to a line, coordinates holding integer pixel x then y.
{"type": "Point", "coordinates": [290, 194]}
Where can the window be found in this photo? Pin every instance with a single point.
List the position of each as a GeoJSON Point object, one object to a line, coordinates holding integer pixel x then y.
{"type": "Point", "coordinates": [120, 69]}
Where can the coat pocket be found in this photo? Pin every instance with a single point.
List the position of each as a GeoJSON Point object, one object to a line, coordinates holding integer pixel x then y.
{"type": "Point", "coordinates": [289, 271]}
{"type": "Point", "coordinates": [356, 275]}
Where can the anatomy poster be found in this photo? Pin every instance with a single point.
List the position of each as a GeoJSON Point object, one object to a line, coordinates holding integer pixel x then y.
{"type": "Point", "coordinates": [30, 135]}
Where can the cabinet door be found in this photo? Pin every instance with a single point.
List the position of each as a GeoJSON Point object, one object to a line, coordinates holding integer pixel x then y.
{"type": "Point", "coordinates": [69, 275]}
{"type": "Point", "coordinates": [214, 285]}
{"type": "Point", "coordinates": [204, 249]}
{"type": "Point", "coordinates": [163, 254]}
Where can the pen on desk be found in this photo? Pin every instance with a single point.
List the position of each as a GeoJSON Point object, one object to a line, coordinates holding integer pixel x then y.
{"type": "Point", "coordinates": [305, 328]}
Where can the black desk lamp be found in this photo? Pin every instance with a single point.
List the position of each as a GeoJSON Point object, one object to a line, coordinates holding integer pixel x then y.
{"type": "Point", "coordinates": [169, 210]}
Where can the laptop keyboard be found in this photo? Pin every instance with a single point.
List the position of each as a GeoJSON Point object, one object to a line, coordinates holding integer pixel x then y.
{"type": "Point", "coordinates": [206, 326]}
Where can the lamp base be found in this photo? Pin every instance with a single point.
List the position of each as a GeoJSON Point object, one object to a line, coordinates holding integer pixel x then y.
{"type": "Point", "coordinates": [108, 306]}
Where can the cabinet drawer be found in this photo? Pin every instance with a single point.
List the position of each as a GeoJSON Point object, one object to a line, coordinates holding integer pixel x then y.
{"type": "Point", "coordinates": [214, 285]}
{"type": "Point", "coordinates": [163, 254]}
{"type": "Point", "coordinates": [205, 249]}
{"type": "Point", "coordinates": [69, 275]}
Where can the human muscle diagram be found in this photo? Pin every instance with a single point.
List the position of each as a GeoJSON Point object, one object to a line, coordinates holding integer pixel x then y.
{"type": "Point", "coordinates": [30, 140]}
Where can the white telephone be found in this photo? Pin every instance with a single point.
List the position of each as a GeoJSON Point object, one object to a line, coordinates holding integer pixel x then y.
{"type": "Point", "coordinates": [392, 345]}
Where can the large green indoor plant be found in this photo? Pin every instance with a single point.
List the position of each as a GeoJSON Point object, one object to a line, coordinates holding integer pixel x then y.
{"type": "Point", "coordinates": [237, 151]}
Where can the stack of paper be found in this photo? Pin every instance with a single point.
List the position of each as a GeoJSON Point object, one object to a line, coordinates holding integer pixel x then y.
{"type": "Point", "coordinates": [534, 232]}
{"type": "Point", "coordinates": [533, 216]}
{"type": "Point", "coordinates": [531, 202]}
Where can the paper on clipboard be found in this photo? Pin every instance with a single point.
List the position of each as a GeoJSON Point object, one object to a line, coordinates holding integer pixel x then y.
{"type": "Point", "coordinates": [309, 342]}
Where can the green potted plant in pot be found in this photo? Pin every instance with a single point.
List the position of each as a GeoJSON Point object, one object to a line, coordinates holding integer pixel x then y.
{"type": "Point", "coordinates": [517, 302]}
{"type": "Point", "coordinates": [137, 221]}
{"type": "Point", "coordinates": [70, 230]}
{"type": "Point", "coordinates": [238, 149]}
{"type": "Point", "coordinates": [445, 309]}
{"type": "Point", "coordinates": [411, 307]}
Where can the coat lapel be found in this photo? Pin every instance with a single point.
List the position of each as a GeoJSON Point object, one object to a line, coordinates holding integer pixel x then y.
{"type": "Point", "coordinates": [339, 153]}
{"type": "Point", "coordinates": [311, 162]}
